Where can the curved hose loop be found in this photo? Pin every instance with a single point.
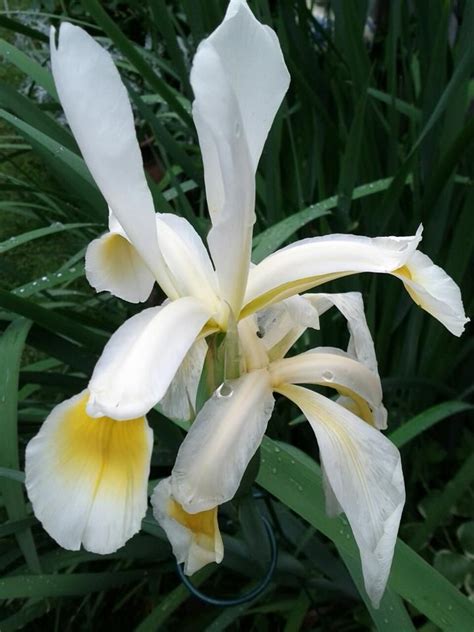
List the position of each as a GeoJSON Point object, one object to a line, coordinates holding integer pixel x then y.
{"type": "Point", "coordinates": [251, 594]}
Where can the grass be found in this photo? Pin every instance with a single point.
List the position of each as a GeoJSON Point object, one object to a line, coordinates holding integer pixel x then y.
{"type": "Point", "coordinates": [358, 112]}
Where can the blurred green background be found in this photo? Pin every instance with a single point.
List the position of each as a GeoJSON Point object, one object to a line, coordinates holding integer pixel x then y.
{"type": "Point", "coordinates": [374, 137]}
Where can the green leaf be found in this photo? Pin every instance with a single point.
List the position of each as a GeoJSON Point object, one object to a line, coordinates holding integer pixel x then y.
{"type": "Point", "coordinates": [465, 535]}
{"type": "Point", "coordinates": [11, 349]}
{"type": "Point", "coordinates": [38, 73]}
{"type": "Point", "coordinates": [417, 425]}
{"type": "Point", "coordinates": [22, 586]}
{"type": "Point", "coordinates": [24, 238]}
{"type": "Point", "coordinates": [296, 481]}
{"type": "Point", "coordinates": [270, 239]}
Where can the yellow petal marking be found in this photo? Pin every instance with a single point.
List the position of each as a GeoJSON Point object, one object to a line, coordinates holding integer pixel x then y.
{"type": "Point", "coordinates": [110, 454]}
{"type": "Point", "coordinates": [203, 525]}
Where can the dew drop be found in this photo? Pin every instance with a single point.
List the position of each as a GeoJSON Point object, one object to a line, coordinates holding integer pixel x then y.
{"type": "Point", "coordinates": [300, 488]}
{"type": "Point", "coordinates": [44, 278]}
{"type": "Point", "coordinates": [21, 290]}
{"type": "Point", "coordinates": [274, 470]}
{"type": "Point", "coordinates": [328, 376]}
{"type": "Point", "coordinates": [59, 274]}
{"type": "Point", "coordinates": [35, 282]}
{"type": "Point", "coordinates": [277, 449]}
{"type": "Point", "coordinates": [225, 391]}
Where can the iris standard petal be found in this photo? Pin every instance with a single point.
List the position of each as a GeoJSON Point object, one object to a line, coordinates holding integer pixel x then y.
{"type": "Point", "coordinates": [311, 262]}
{"type": "Point", "coordinates": [99, 114]}
{"type": "Point", "coordinates": [364, 472]}
{"type": "Point", "coordinates": [434, 291]}
{"type": "Point", "coordinates": [87, 478]}
{"type": "Point", "coordinates": [223, 438]}
{"type": "Point", "coordinates": [195, 538]}
{"type": "Point", "coordinates": [239, 79]}
{"type": "Point", "coordinates": [187, 259]}
{"type": "Point", "coordinates": [142, 357]}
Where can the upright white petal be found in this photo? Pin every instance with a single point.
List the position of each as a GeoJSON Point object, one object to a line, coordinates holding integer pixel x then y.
{"type": "Point", "coordinates": [187, 259]}
{"type": "Point", "coordinates": [351, 305]}
{"type": "Point", "coordinates": [142, 357]}
{"type": "Point", "coordinates": [311, 262]}
{"type": "Point", "coordinates": [364, 472]}
{"type": "Point", "coordinates": [195, 538]}
{"type": "Point", "coordinates": [179, 401]}
{"type": "Point", "coordinates": [434, 291]}
{"type": "Point", "coordinates": [337, 371]}
{"type": "Point", "coordinates": [99, 114]}
{"type": "Point", "coordinates": [239, 79]}
{"type": "Point", "coordinates": [87, 478]}
{"type": "Point", "coordinates": [223, 438]}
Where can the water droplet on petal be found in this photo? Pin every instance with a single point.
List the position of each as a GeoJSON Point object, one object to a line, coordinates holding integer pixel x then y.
{"type": "Point", "coordinates": [225, 391]}
{"type": "Point", "coordinates": [328, 376]}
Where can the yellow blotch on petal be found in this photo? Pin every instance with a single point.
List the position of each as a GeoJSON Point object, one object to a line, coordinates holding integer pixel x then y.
{"type": "Point", "coordinates": [203, 525]}
{"type": "Point", "coordinates": [111, 454]}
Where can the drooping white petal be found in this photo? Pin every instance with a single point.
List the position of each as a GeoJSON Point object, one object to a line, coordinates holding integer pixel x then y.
{"type": "Point", "coordinates": [87, 478]}
{"type": "Point", "coordinates": [179, 401]}
{"type": "Point", "coordinates": [337, 371]}
{"type": "Point", "coordinates": [195, 538]}
{"type": "Point", "coordinates": [114, 265]}
{"type": "Point", "coordinates": [311, 262]}
{"type": "Point", "coordinates": [223, 438]}
{"type": "Point", "coordinates": [239, 79]}
{"type": "Point", "coordinates": [99, 114]}
{"type": "Point", "coordinates": [434, 291]}
{"type": "Point", "coordinates": [142, 357]}
{"type": "Point", "coordinates": [364, 471]}
{"type": "Point", "coordinates": [351, 306]}
{"type": "Point", "coordinates": [188, 262]}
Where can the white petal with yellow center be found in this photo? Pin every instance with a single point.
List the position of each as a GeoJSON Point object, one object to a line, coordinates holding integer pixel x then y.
{"type": "Point", "coordinates": [223, 438]}
{"type": "Point", "coordinates": [114, 265]}
{"type": "Point", "coordinates": [195, 538]}
{"type": "Point", "coordinates": [363, 470]}
{"type": "Point", "coordinates": [87, 478]}
{"type": "Point", "coordinates": [142, 357]}
{"type": "Point", "coordinates": [99, 114]}
{"type": "Point", "coordinates": [311, 262]}
{"type": "Point", "coordinates": [434, 291]}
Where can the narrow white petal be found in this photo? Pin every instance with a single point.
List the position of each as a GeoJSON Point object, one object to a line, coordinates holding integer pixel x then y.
{"type": "Point", "coordinates": [179, 401]}
{"type": "Point", "coordinates": [99, 114]}
{"type": "Point", "coordinates": [364, 471]}
{"type": "Point", "coordinates": [337, 371]}
{"type": "Point", "coordinates": [314, 261]}
{"type": "Point", "coordinates": [114, 265]}
{"type": "Point", "coordinates": [434, 291]}
{"type": "Point", "coordinates": [239, 79]}
{"type": "Point", "coordinates": [142, 357]}
{"type": "Point", "coordinates": [351, 306]}
{"type": "Point", "coordinates": [222, 440]}
{"type": "Point", "coordinates": [195, 538]}
{"type": "Point", "coordinates": [87, 478]}
{"type": "Point", "coordinates": [189, 264]}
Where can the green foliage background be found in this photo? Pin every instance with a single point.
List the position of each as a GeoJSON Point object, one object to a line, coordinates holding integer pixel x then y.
{"type": "Point", "coordinates": [373, 138]}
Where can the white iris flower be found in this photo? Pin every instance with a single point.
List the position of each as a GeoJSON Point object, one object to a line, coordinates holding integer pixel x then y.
{"type": "Point", "coordinates": [87, 468]}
